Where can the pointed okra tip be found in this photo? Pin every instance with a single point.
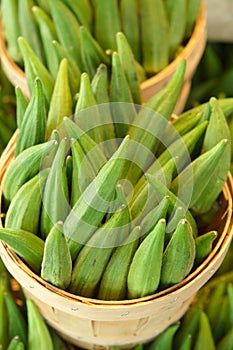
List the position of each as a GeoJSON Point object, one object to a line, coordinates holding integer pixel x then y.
{"type": "Point", "coordinates": [38, 12]}
{"type": "Point", "coordinates": [119, 34]}
{"type": "Point", "coordinates": [115, 56]}
{"type": "Point", "coordinates": [82, 28]}
{"type": "Point", "coordinates": [150, 179]}
{"type": "Point", "coordinates": [20, 38]}
{"type": "Point", "coordinates": [38, 85]}
{"type": "Point", "coordinates": [181, 65]}
{"type": "Point", "coordinates": [119, 37]}
{"type": "Point", "coordinates": [85, 78]}
{"type": "Point", "coordinates": [22, 41]}
{"type": "Point", "coordinates": [102, 68]}
{"type": "Point", "coordinates": [122, 150]}
{"type": "Point", "coordinates": [184, 221]}
{"type": "Point", "coordinates": [59, 223]}
{"type": "Point", "coordinates": [221, 145]}
{"type": "Point", "coordinates": [213, 101]}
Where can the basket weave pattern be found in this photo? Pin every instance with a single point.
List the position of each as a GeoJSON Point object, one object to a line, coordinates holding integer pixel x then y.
{"type": "Point", "coordinates": [92, 323]}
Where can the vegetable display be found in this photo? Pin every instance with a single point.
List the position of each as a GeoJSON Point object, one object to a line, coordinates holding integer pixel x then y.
{"type": "Point", "coordinates": [85, 215]}
{"type": "Point", "coordinates": [85, 31]}
{"type": "Point", "coordinates": [108, 200]}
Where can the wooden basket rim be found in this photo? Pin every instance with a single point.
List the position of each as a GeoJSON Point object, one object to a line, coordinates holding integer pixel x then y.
{"type": "Point", "coordinates": [116, 303]}
{"type": "Point", "coordinates": [224, 239]}
{"type": "Point", "coordinates": [199, 31]}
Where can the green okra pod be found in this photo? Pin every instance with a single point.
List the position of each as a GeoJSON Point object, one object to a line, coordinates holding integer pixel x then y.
{"type": "Point", "coordinates": [34, 68]}
{"type": "Point", "coordinates": [217, 130]}
{"type": "Point", "coordinates": [226, 342]}
{"type": "Point", "coordinates": [4, 336]}
{"type": "Point", "coordinates": [29, 27]}
{"type": "Point", "coordinates": [144, 200]}
{"type": "Point", "coordinates": [204, 335]}
{"type": "Point", "coordinates": [83, 11]}
{"type": "Point", "coordinates": [87, 114]}
{"type": "Point", "coordinates": [67, 28]}
{"type": "Point", "coordinates": [106, 26]}
{"type": "Point", "coordinates": [25, 207]}
{"type": "Point", "coordinates": [221, 328]}
{"type": "Point", "coordinates": [56, 266]}
{"type": "Point", "coordinates": [195, 176]}
{"type": "Point", "coordinates": [128, 62]}
{"type": "Point", "coordinates": [10, 21]}
{"type": "Point", "coordinates": [161, 190]}
{"type": "Point", "coordinates": [41, 339]}
{"type": "Point", "coordinates": [113, 285]}
{"type": "Point", "coordinates": [179, 255]}
{"type": "Point", "coordinates": [21, 105]}
{"type": "Point", "coordinates": [145, 269]}
{"type": "Point", "coordinates": [17, 323]}
{"type": "Point", "coordinates": [61, 104]}
{"type": "Point", "coordinates": [212, 308]}
{"type": "Point", "coordinates": [176, 12]}
{"type": "Point", "coordinates": [17, 173]}
{"type": "Point", "coordinates": [155, 48]}
{"type": "Point", "coordinates": [88, 212]}
{"type": "Point", "coordinates": [122, 107]}
{"type": "Point", "coordinates": [193, 9]}
{"type": "Point", "coordinates": [27, 245]}
{"type": "Point", "coordinates": [204, 246]}
{"type": "Point", "coordinates": [149, 124]}
{"type": "Point", "coordinates": [187, 343]}
{"type": "Point", "coordinates": [55, 199]}
{"type": "Point", "coordinates": [33, 125]}
{"type": "Point", "coordinates": [165, 101]}
{"type": "Point", "coordinates": [100, 88]}
{"type": "Point", "coordinates": [90, 148]}
{"type": "Point", "coordinates": [48, 34]}
{"type": "Point", "coordinates": [164, 341]}
{"type": "Point", "coordinates": [73, 68]}
{"type": "Point", "coordinates": [92, 260]}
{"type": "Point", "coordinates": [83, 172]}
{"type": "Point", "coordinates": [92, 53]}
{"type": "Point", "coordinates": [189, 326]}
{"type": "Point", "coordinates": [15, 344]}
{"type": "Point", "coordinates": [129, 11]}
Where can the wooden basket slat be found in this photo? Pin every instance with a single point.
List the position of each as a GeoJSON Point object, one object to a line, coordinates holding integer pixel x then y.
{"type": "Point", "coordinates": [92, 323]}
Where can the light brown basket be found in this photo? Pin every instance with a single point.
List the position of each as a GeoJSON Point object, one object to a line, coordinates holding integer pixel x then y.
{"type": "Point", "coordinates": [18, 298]}
{"type": "Point", "coordinates": [95, 324]}
{"type": "Point", "coordinates": [192, 53]}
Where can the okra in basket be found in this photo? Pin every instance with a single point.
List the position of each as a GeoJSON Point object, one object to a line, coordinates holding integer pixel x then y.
{"type": "Point", "coordinates": [111, 200]}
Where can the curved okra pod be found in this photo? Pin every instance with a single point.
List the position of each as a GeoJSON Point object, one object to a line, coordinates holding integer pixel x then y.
{"type": "Point", "coordinates": [33, 126]}
{"type": "Point", "coordinates": [61, 103]}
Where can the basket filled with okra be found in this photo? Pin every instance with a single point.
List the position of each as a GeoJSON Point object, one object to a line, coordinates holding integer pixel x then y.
{"type": "Point", "coordinates": [160, 34]}
{"type": "Point", "coordinates": [114, 214]}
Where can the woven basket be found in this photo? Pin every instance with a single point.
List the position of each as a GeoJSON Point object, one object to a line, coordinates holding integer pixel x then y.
{"type": "Point", "coordinates": [18, 298]}
{"type": "Point", "coordinates": [192, 52]}
{"type": "Point", "coordinates": [96, 324]}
